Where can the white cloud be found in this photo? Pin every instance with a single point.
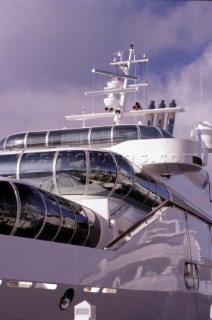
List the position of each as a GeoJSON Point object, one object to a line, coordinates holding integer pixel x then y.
{"type": "Point", "coordinates": [23, 109]}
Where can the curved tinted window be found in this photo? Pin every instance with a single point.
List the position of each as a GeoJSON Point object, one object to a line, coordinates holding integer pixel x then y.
{"type": "Point", "coordinates": [55, 138]}
{"type": "Point", "coordinates": [2, 144]}
{"type": "Point", "coordinates": [100, 136]}
{"type": "Point", "coordinates": [8, 164]}
{"type": "Point", "coordinates": [68, 226]}
{"type": "Point", "coordinates": [148, 132]}
{"type": "Point", "coordinates": [38, 167]}
{"type": "Point", "coordinates": [36, 139]}
{"type": "Point", "coordinates": [73, 137]}
{"type": "Point", "coordinates": [124, 133]}
{"type": "Point", "coordinates": [152, 195]}
{"type": "Point", "coordinates": [102, 173]}
{"type": "Point", "coordinates": [53, 217]}
{"type": "Point", "coordinates": [71, 172]}
{"type": "Point", "coordinates": [125, 178]}
{"type": "Point", "coordinates": [162, 193]}
{"type": "Point", "coordinates": [165, 134]}
{"type": "Point", "coordinates": [94, 228]}
{"type": "Point", "coordinates": [32, 212]}
{"type": "Point", "coordinates": [82, 229]}
{"type": "Point", "coordinates": [15, 141]}
{"type": "Point", "coordinates": [140, 191]}
{"type": "Point", "coordinates": [8, 207]}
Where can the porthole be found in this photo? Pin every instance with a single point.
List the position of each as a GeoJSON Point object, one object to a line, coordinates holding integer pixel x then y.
{"type": "Point", "coordinates": [67, 299]}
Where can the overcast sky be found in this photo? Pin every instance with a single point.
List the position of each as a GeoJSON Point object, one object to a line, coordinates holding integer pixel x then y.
{"type": "Point", "coordinates": [48, 48]}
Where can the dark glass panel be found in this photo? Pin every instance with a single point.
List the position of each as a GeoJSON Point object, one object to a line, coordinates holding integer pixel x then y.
{"type": "Point", "coordinates": [32, 211]}
{"type": "Point", "coordinates": [165, 134]}
{"type": "Point", "coordinates": [36, 139]}
{"type": "Point", "coordinates": [15, 141]}
{"type": "Point", "coordinates": [68, 226]}
{"type": "Point", "coordinates": [124, 133]}
{"type": "Point", "coordinates": [94, 230]}
{"type": "Point", "coordinates": [8, 207]}
{"type": "Point", "coordinates": [37, 167]}
{"type": "Point", "coordinates": [71, 172]}
{"type": "Point", "coordinates": [162, 193]}
{"type": "Point", "coordinates": [82, 228]}
{"type": "Point", "coordinates": [53, 217]}
{"type": "Point", "coordinates": [125, 177]}
{"type": "Point", "coordinates": [139, 193]}
{"type": "Point", "coordinates": [75, 137]}
{"type": "Point", "coordinates": [102, 173]}
{"type": "Point", "coordinates": [152, 195]}
{"type": "Point", "coordinates": [2, 144]}
{"type": "Point", "coordinates": [55, 138]}
{"type": "Point", "coordinates": [8, 163]}
{"type": "Point", "coordinates": [148, 132]}
{"type": "Point", "coordinates": [100, 136]}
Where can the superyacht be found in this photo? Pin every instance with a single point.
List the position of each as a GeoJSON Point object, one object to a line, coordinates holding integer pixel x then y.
{"type": "Point", "coordinates": [111, 221]}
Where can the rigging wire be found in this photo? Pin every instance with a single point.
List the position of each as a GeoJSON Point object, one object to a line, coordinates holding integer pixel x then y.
{"type": "Point", "coordinates": [201, 91]}
{"type": "Point", "coordinates": [93, 84]}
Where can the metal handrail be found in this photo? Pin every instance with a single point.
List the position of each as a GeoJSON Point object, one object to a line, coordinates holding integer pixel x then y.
{"type": "Point", "coordinates": [135, 225]}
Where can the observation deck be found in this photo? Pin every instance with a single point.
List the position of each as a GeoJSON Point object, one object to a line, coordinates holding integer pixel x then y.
{"type": "Point", "coordinates": [104, 136]}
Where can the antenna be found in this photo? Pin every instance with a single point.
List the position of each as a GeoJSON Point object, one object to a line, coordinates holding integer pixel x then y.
{"type": "Point", "coordinates": [116, 75]}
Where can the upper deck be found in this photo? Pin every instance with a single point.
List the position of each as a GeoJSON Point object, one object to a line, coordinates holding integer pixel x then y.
{"type": "Point", "coordinates": [104, 136]}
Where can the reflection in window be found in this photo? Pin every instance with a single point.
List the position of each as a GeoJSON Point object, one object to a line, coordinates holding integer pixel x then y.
{"type": "Point", "coordinates": [8, 207]}
{"type": "Point", "coordinates": [82, 230]}
{"type": "Point", "coordinates": [55, 138]}
{"type": "Point", "coordinates": [148, 132]}
{"type": "Point", "coordinates": [71, 172]}
{"type": "Point", "coordinates": [32, 211]}
{"type": "Point", "coordinates": [53, 217]}
{"type": "Point", "coordinates": [15, 141]}
{"type": "Point", "coordinates": [124, 133]}
{"type": "Point", "coordinates": [191, 276]}
{"type": "Point", "coordinates": [38, 167]}
{"type": "Point", "coordinates": [139, 194]}
{"type": "Point", "coordinates": [152, 196]}
{"type": "Point", "coordinates": [75, 137]}
{"type": "Point", "coordinates": [94, 228]}
{"type": "Point", "coordinates": [36, 139]}
{"type": "Point", "coordinates": [124, 178]}
{"type": "Point", "coordinates": [8, 165]}
{"type": "Point", "coordinates": [2, 144]}
{"type": "Point", "coordinates": [199, 235]}
{"type": "Point", "coordinates": [162, 193]}
{"type": "Point", "coordinates": [68, 226]}
{"type": "Point", "coordinates": [102, 173]}
{"type": "Point", "coordinates": [100, 136]}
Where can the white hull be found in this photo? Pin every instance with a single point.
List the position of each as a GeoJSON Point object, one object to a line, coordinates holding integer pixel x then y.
{"type": "Point", "coordinates": [147, 273]}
